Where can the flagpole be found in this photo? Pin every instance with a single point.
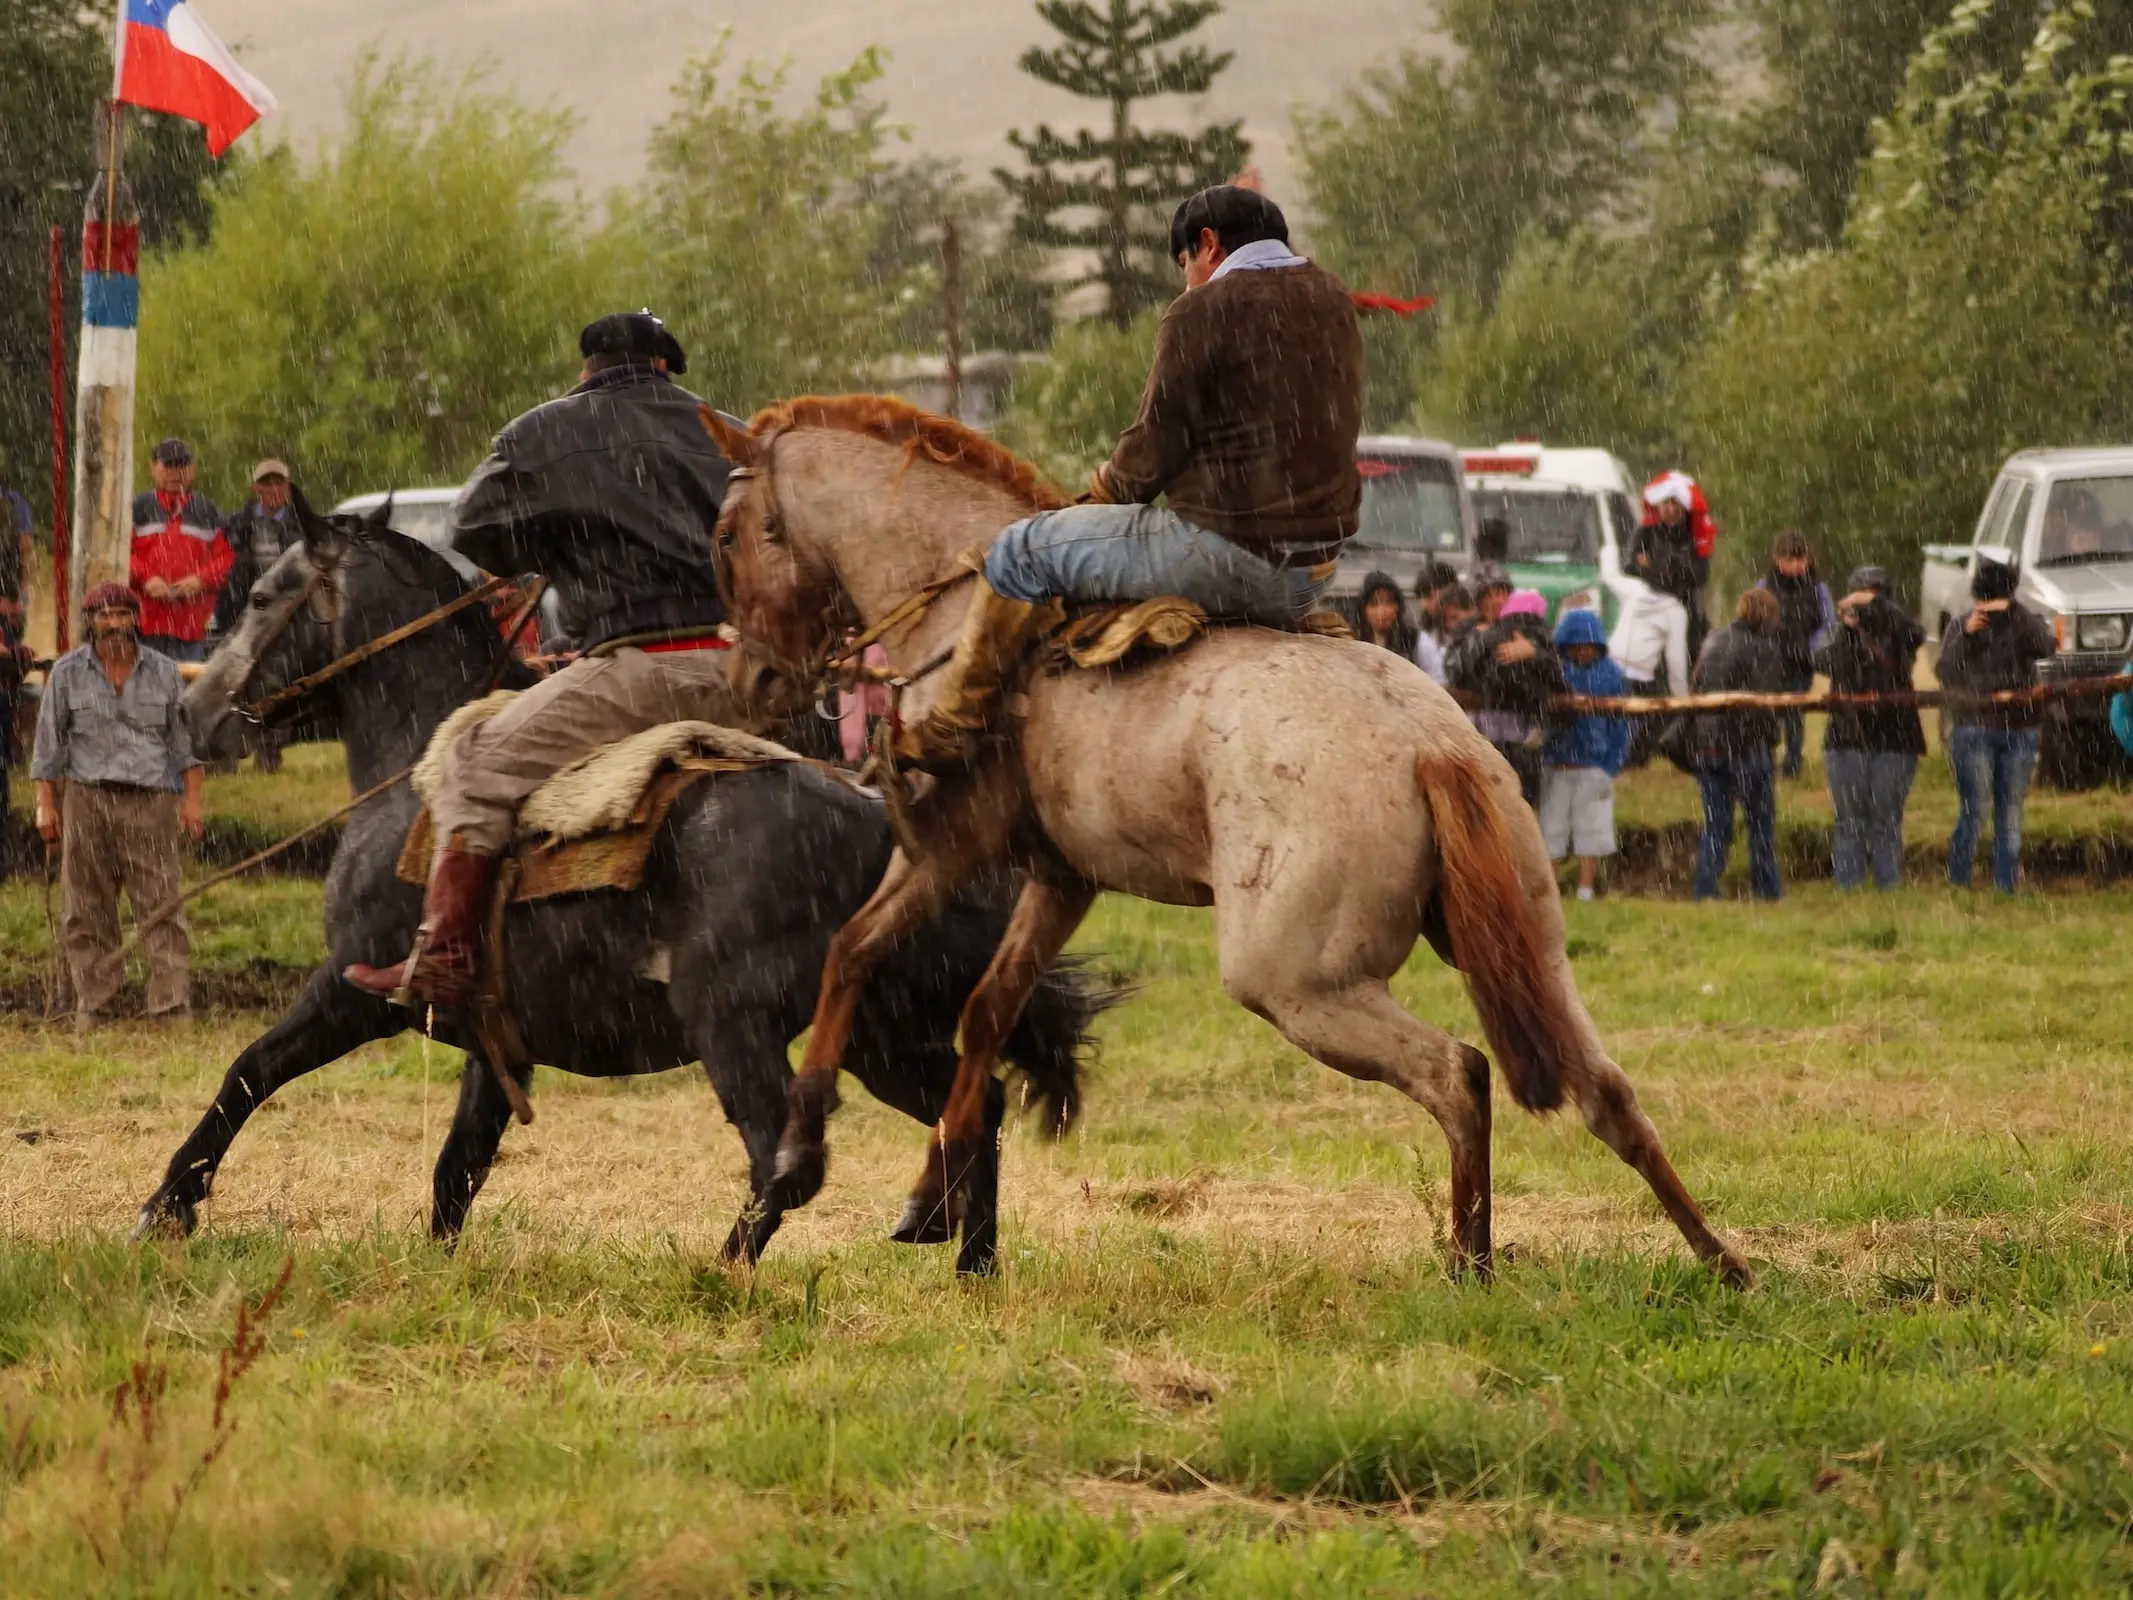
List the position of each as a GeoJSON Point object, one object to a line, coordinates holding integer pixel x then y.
{"type": "Point", "coordinates": [104, 381]}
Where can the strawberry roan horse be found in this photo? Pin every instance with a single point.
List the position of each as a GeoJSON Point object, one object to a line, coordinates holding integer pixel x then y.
{"type": "Point", "coordinates": [1254, 772]}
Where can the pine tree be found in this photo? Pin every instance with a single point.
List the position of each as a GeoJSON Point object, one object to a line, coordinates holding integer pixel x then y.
{"type": "Point", "coordinates": [1117, 54]}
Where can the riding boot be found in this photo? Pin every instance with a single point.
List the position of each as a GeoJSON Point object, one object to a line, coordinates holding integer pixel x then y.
{"type": "Point", "coordinates": [996, 632]}
{"type": "Point", "coordinates": [447, 955]}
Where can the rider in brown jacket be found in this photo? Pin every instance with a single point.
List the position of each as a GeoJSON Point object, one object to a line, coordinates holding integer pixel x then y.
{"type": "Point", "coordinates": [1247, 428]}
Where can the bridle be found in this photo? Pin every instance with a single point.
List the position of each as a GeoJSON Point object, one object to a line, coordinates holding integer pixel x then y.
{"type": "Point", "coordinates": [321, 582]}
{"type": "Point", "coordinates": [830, 666]}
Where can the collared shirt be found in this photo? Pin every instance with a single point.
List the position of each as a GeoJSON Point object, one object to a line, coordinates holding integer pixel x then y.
{"type": "Point", "coordinates": [88, 732]}
{"type": "Point", "coordinates": [1261, 255]}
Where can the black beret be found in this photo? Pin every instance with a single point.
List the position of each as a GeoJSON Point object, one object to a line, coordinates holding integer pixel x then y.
{"type": "Point", "coordinates": [633, 333]}
{"type": "Point", "coordinates": [1993, 580]}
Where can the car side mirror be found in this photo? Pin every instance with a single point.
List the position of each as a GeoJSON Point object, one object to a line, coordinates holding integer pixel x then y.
{"type": "Point", "coordinates": [2003, 554]}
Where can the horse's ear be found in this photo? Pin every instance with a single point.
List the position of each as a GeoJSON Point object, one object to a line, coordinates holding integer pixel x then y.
{"type": "Point", "coordinates": [734, 442]}
{"type": "Point", "coordinates": [321, 537]}
{"type": "Point", "coordinates": [381, 519]}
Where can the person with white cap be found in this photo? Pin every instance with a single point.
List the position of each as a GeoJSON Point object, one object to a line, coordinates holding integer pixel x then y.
{"type": "Point", "coordinates": [257, 536]}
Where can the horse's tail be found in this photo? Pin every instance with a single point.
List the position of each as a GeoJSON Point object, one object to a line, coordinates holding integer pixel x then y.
{"type": "Point", "coordinates": [1050, 1042]}
{"type": "Point", "coordinates": [1496, 940]}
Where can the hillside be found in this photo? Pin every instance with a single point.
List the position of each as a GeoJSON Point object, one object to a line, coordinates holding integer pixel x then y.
{"type": "Point", "coordinates": [951, 75]}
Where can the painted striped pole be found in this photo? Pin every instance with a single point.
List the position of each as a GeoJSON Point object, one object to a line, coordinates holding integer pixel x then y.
{"type": "Point", "coordinates": [104, 381]}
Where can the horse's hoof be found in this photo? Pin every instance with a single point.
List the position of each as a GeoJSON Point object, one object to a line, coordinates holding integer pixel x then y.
{"type": "Point", "coordinates": [797, 1176]}
{"type": "Point", "coordinates": [926, 1220]}
{"type": "Point", "coordinates": [1732, 1271]}
{"type": "Point", "coordinates": [983, 1263]}
{"type": "Point", "coordinates": [165, 1219]}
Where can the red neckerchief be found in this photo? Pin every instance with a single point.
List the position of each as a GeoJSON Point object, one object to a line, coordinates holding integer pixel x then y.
{"type": "Point", "coordinates": [174, 503]}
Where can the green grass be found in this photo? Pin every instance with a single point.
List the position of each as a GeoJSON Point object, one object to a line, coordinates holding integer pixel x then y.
{"type": "Point", "coordinates": [1222, 1357]}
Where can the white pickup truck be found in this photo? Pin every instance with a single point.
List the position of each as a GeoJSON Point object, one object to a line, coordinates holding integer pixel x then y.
{"type": "Point", "coordinates": [2064, 520]}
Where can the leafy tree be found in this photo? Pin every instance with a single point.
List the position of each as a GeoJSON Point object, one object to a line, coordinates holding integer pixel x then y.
{"type": "Point", "coordinates": [1976, 304]}
{"type": "Point", "coordinates": [1066, 413]}
{"type": "Point", "coordinates": [374, 312]}
{"type": "Point", "coordinates": [1560, 357]}
{"type": "Point", "coordinates": [1007, 304]}
{"type": "Point", "coordinates": [1427, 173]}
{"type": "Point", "coordinates": [1131, 178]}
{"type": "Point", "coordinates": [756, 232]}
{"type": "Point", "coordinates": [55, 62]}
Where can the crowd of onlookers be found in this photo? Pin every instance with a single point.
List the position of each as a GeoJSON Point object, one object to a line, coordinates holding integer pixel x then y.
{"type": "Point", "coordinates": [1488, 641]}
{"type": "Point", "coordinates": [117, 782]}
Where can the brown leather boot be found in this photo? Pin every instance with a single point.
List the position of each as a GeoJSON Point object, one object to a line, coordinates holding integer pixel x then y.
{"type": "Point", "coordinates": [996, 632]}
{"type": "Point", "coordinates": [454, 908]}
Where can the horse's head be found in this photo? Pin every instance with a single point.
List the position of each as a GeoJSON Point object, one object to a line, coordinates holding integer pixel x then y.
{"type": "Point", "coordinates": [780, 589]}
{"type": "Point", "coordinates": [288, 628]}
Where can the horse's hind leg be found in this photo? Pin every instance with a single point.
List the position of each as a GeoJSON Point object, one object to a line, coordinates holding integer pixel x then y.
{"type": "Point", "coordinates": [1362, 1031]}
{"type": "Point", "coordinates": [328, 1020]}
{"type": "Point", "coordinates": [1603, 1094]}
{"type": "Point", "coordinates": [469, 1148]}
{"type": "Point", "coordinates": [744, 1058]}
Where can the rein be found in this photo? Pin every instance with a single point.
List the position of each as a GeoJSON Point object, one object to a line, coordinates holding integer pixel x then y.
{"type": "Point", "coordinates": [257, 711]}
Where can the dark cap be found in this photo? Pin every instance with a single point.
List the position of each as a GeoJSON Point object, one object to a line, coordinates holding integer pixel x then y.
{"type": "Point", "coordinates": [172, 453]}
{"type": "Point", "coordinates": [110, 594]}
{"type": "Point", "coordinates": [1993, 580]}
{"type": "Point", "coordinates": [1489, 576]}
{"type": "Point", "coordinates": [1868, 577]}
{"type": "Point", "coordinates": [633, 333]}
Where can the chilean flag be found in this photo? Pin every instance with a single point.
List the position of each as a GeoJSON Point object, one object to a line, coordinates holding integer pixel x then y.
{"type": "Point", "coordinates": [168, 61]}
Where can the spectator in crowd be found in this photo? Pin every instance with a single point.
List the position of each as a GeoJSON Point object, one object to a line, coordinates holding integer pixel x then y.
{"type": "Point", "coordinates": [112, 730]}
{"type": "Point", "coordinates": [1806, 618]}
{"type": "Point", "coordinates": [1492, 542]}
{"type": "Point", "coordinates": [1437, 581]}
{"type": "Point", "coordinates": [859, 705]}
{"type": "Point", "coordinates": [1672, 549]}
{"type": "Point", "coordinates": [1870, 754]}
{"type": "Point", "coordinates": [257, 535]}
{"type": "Point", "coordinates": [1383, 614]}
{"type": "Point", "coordinates": [1492, 587]}
{"type": "Point", "coordinates": [1651, 646]}
{"type": "Point", "coordinates": [1733, 760]}
{"type": "Point", "coordinates": [1456, 618]}
{"type": "Point", "coordinates": [1993, 749]}
{"type": "Point", "coordinates": [1583, 754]}
{"type": "Point", "coordinates": [180, 558]}
{"type": "Point", "coordinates": [1507, 665]}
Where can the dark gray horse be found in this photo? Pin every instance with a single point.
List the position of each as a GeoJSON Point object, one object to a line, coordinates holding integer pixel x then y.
{"type": "Point", "coordinates": [752, 874]}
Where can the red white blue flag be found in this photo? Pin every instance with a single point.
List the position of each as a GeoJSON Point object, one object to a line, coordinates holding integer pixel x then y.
{"type": "Point", "coordinates": [168, 61]}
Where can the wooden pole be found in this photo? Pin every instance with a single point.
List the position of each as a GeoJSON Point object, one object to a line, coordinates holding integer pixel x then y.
{"type": "Point", "coordinates": [62, 525]}
{"type": "Point", "coordinates": [952, 311]}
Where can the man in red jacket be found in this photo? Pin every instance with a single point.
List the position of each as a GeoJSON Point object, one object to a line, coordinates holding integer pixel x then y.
{"type": "Point", "coordinates": [180, 557]}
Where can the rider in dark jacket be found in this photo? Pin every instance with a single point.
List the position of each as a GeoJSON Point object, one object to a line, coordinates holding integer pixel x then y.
{"type": "Point", "coordinates": [612, 493]}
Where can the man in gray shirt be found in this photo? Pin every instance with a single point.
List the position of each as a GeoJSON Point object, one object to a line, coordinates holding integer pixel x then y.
{"type": "Point", "coordinates": [111, 728]}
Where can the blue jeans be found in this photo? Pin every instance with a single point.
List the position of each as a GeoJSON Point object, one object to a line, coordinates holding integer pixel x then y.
{"type": "Point", "coordinates": [1994, 763]}
{"type": "Point", "coordinates": [1867, 789]}
{"type": "Point", "coordinates": [1139, 553]}
{"type": "Point", "coordinates": [1752, 781]}
{"type": "Point", "coordinates": [1793, 724]}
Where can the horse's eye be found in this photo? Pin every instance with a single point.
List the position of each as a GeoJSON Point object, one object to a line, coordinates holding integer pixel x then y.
{"type": "Point", "coordinates": [261, 603]}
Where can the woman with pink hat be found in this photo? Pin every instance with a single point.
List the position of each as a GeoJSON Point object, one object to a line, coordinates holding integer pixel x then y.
{"type": "Point", "coordinates": [1508, 668]}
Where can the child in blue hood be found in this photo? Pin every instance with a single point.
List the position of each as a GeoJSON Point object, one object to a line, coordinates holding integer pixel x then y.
{"type": "Point", "coordinates": [1583, 754]}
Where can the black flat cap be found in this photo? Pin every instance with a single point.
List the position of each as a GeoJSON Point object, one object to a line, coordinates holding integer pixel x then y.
{"type": "Point", "coordinates": [633, 333]}
{"type": "Point", "coordinates": [172, 453]}
{"type": "Point", "coordinates": [1868, 577]}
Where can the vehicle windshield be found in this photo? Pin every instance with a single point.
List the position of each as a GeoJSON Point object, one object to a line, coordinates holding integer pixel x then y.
{"type": "Point", "coordinates": [427, 520]}
{"type": "Point", "coordinates": [2087, 519]}
{"type": "Point", "coordinates": [1409, 503]}
{"type": "Point", "coordinates": [1558, 527]}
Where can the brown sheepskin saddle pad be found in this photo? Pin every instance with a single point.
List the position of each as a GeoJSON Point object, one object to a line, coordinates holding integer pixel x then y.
{"type": "Point", "coordinates": [593, 825]}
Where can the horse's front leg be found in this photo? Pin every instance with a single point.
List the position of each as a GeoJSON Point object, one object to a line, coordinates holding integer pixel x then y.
{"type": "Point", "coordinates": [1045, 917]}
{"type": "Point", "coordinates": [908, 896]}
{"type": "Point", "coordinates": [328, 1020]}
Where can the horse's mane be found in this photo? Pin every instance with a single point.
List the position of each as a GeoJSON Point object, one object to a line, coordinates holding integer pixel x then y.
{"type": "Point", "coordinates": [926, 434]}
